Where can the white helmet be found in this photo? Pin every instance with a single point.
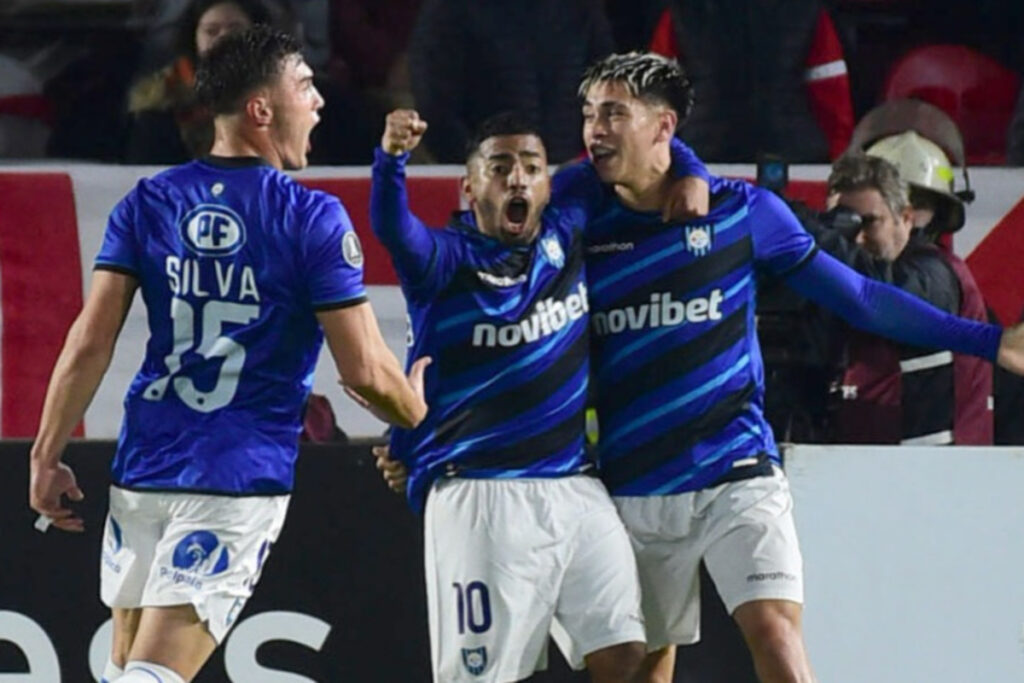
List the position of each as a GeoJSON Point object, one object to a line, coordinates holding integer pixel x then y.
{"type": "Point", "coordinates": [920, 140]}
{"type": "Point", "coordinates": [925, 166]}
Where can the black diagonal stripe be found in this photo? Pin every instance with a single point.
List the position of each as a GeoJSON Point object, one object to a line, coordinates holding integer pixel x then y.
{"type": "Point", "coordinates": [688, 278]}
{"type": "Point", "coordinates": [620, 390]}
{"type": "Point", "coordinates": [506, 405]}
{"type": "Point", "coordinates": [646, 457]}
{"type": "Point", "coordinates": [524, 452]}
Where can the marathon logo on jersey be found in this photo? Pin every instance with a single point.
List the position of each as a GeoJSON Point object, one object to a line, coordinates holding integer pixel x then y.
{"type": "Point", "coordinates": [699, 239]}
{"type": "Point", "coordinates": [610, 247]}
{"type": "Point", "coordinates": [475, 659]}
{"type": "Point", "coordinates": [548, 317]}
{"type": "Point", "coordinates": [661, 311]}
{"type": "Point", "coordinates": [553, 252]}
{"type": "Point", "coordinates": [212, 230]}
{"type": "Point", "coordinates": [198, 554]}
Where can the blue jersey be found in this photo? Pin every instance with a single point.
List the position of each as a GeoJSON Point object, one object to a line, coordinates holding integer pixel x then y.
{"type": "Point", "coordinates": [506, 327]}
{"type": "Point", "coordinates": [233, 259]}
{"type": "Point", "coordinates": [680, 379]}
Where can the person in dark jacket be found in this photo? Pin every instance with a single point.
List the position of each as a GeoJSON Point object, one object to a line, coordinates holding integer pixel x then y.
{"type": "Point", "coordinates": [889, 393]}
{"type": "Point", "coordinates": [470, 59]}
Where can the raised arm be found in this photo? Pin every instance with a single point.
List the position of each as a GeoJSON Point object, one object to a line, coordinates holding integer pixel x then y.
{"type": "Point", "coordinates": [411, 244]}
{"type": "Point", "coordinates": [76, 376]}
{"type": "Point", "coordinates": [367, 366]}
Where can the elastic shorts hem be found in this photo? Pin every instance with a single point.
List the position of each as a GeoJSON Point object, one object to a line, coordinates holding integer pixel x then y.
{"type": "Point", "coordinates": [609, 640]}
{"type": "Point", "coordinates": [673, 639]}
{"type": "Point", "coordinates": [788, 596]}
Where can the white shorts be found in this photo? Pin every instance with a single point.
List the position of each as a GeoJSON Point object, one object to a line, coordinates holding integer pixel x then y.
{"type": "Point", "coordinates": [163, 549]}
{"type": "Point", "coordinates": [506, 558]}
{"type": "Point", "coordinates": [742, 530]}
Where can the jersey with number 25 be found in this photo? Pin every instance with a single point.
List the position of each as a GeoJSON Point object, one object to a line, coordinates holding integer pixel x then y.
{"type": "Point", "coordinates": [233, 259]}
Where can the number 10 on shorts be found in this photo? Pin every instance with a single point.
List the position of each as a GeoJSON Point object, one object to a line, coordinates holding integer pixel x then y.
{"type": "Point", "coordinates": [474, 607]}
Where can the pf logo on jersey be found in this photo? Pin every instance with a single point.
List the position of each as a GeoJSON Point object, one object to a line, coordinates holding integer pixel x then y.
{"type": "Point", "coordinates": [475, 659]}
{"type": "Point", "coordinates": [553, 251]}
{"type": "Point", "coordinates": [211, 230]}
{"type": "Point", "coordinates": [698, 239]}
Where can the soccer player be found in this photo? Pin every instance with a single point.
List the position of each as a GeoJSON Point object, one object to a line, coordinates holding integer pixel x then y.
{"type": "Point", "coordinates": [518, 531]}
{"type": "Point", "coordinates": [243, 273]}
{"type": "Point", "coordinates": [684, 447]}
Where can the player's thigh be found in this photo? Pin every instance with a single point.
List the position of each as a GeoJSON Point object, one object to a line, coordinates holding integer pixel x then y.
{"type": "Point", "coordinates": [174, 637]}
{"type": "Point", "coordinates": [666, 535]}
{"type": "Point", "coordinates": [492, 568]}
{"type": "Point", "coordinates": [599, 598]}
{"type": "Point", "coordinates": [753, 552]}
{"type": "Point", "coordinates": [211, 555]}
{"type": "Point", "coordinates": [125, 624]}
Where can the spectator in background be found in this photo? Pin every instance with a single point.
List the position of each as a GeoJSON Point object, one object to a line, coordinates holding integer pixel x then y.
{"type": "Point", "coordinates": [770, 78]}
{"type": "Point", "coordinates": [470, 59]}
{"type": "Point", "coordinates": [890, 393]}
{"type": "Point", "coordinates": [168, 125]}
{"type": "Point", "coordinates": [369, 37]}
{"type": "Point", "coordinates": [912, 136]}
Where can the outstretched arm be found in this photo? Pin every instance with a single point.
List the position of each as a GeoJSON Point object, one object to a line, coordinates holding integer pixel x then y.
{"type": "Point", "coordinates": [885, 310]}
{"type": "Point", "coordinates": [410, 242]}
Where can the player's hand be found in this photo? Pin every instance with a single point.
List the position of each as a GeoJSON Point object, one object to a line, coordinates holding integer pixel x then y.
{"type": "Point", "coordinates": [394, 472]}
{"type": "Point", "coordinates": [47, 483]}
{"type": "Point", "coordinates": [403, 130]}
{"type": "Point", "coordinates": [1011, 349]}
{"type": "Point", "coordinates": [689, 197]}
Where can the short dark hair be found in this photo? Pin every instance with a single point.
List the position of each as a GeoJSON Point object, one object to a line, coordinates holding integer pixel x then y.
{"type": "Point", "coordinates": [647, 76]}
{"type": "Point", "coordinates": [256, 10]}
{"type": "Point", "coordinates": [503, 123]}
{"type": "Point", "coordinates": [240, 63]}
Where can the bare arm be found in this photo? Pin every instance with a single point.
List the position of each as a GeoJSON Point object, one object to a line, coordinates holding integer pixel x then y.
{"type": "Point", "coordinates": [79, 369]}
{"type": "Point", "coordinates": [368, 367]}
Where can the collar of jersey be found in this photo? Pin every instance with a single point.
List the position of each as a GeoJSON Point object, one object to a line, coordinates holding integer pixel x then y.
{"type": "Point", "coordinates": [465, 222]}
{"type": "Point", "coordinates": [234, 162]}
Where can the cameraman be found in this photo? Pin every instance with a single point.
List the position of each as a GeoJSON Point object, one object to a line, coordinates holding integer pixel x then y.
{"type": "Point", "coordinates": [888, 393]}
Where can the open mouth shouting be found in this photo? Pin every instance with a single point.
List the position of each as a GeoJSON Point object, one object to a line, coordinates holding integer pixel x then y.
{"type": "Point", "coordinates": [516, 212]}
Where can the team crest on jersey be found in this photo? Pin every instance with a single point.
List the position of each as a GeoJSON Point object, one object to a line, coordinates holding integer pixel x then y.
{"type": "Point", "coordinates": [212, 230]}
{"type": "Point", "coordinates": [475, 659]}
{"type": "Point", "coordinates": [352, 250]}
{"type": "Point", "coordinates": [197, 553]}
{"type": "Point", "coordinates": [552, 249]}
{"type": "Point", "coordinates": [699, 239]}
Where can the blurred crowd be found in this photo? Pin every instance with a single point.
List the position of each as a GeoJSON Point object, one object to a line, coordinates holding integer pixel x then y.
{"type": "Point", "coordinates": [110, 80]}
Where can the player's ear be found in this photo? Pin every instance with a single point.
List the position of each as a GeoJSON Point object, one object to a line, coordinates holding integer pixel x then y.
{"type": "Point", "coordinates": [467, 190]}
{"type": "Point", "coordinates": [258, 109]}
{"type": "Point", "coordinates": [667, 121]}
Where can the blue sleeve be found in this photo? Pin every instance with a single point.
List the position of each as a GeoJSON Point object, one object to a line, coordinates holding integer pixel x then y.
{"type": "Point", "coordinates": [415, 249]}
{"type": "Point", "coordinates": [779, 240]}
{"type": "Point", "coordinates": [578, 186]}
{"type": "Point", "coordinates": [332, 256]}
{"type": "Point", "coordinates": [685, 161]}
{"type": "Point", "coordinates": [118, 251]}
{"type": "Point", "coordinates": [888, 311]}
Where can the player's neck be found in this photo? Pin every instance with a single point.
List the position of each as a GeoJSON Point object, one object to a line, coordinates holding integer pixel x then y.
{"type": "Point", "coordinates": [646, 190]}
{"type": "Point", "coordinates": [233, 140]}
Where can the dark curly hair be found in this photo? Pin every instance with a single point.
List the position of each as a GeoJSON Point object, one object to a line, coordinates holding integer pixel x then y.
{"type": "Point", "coordinates": [240, 63]}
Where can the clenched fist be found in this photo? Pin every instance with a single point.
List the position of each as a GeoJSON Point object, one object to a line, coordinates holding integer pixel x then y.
{"type": "Point", "coordinates": [403, 130]}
